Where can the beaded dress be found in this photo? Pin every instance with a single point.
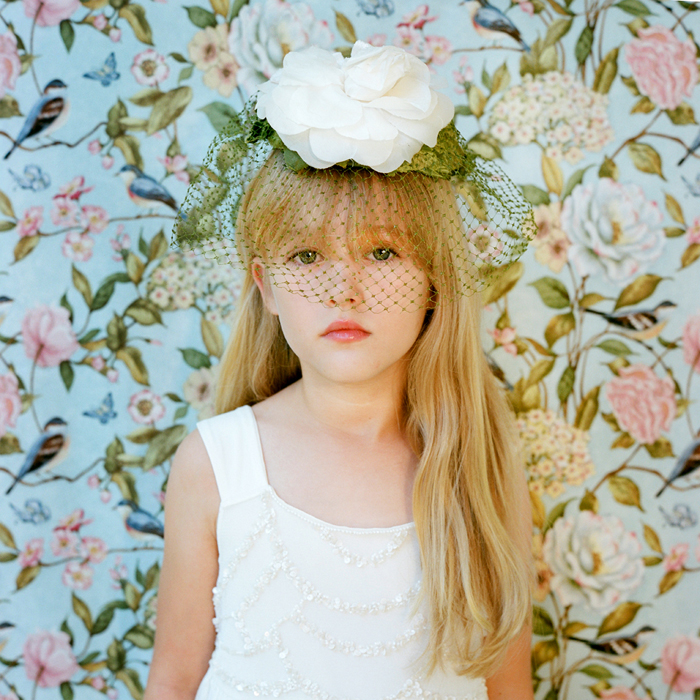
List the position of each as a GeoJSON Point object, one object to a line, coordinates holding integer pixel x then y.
{"type": "Point", "coordinates": [306, 610]}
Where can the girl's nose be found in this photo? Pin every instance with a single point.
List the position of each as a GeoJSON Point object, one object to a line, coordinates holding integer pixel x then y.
{"type": "Point", "coordinates": [344, 288]}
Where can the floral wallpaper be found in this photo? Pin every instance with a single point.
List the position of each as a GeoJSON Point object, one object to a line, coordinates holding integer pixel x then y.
{"type": "Point", "coordinates": [110, 340]}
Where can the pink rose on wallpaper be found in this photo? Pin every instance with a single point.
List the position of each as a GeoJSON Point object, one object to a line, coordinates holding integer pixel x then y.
{"type": "Point", "coordinates": [10, 65]}
{"type": "Point", "coordinates": [676, 558]}
{"type": "Point", "coordinates": [48, 335]}
{"type": "Point", "coordinates": [52, 12]}
{"type": "Point", "coordinates": [77, 576]}
{"type": "Point", "coordinates": [643, 403]}
{"type": "Point", "coordinates": [49, 659]}
{"type": "Point", "coordinates": [680, 663]}
{"type": "Point", "coordinates": [32, 552]}
{"type": "Point", "coordinates": [10, 402]}
{"type": "Point", "coordinates": [30, 223]}
{"type": "Point", "coordinates": [619, 692]}
{"type": "Point", "coordinates": [691, 342]}
{"type": "Point", "coordinates": [664, 67]}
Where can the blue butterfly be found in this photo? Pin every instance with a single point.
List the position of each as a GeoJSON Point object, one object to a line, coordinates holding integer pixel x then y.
{"type": "Point", "coordinates": [104, 412]}
{"type": "Point", "coordinates": [34, 178]}
{"type": "Point", "coordinates": [34, 511]}
{"type": "Point", "coordinates": [107, 73]}
{"type": "Point", "coordinates": [681, 516]}
{"type": "Point", "coordinates": [694, 189]}
{"type": "Point", "coordinates": [378, 8]}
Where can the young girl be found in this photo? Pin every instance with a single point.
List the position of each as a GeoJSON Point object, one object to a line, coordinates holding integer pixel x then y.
{"type": "Point", "coordinates": [358, 507]}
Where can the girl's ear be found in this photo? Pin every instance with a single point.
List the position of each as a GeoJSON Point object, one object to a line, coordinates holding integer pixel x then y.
{"type": "Point", "coordinates": [262, 280]}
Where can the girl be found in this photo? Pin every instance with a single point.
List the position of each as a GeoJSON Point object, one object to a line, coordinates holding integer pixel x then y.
{"type": "Point", "coordinates": [357, 508]}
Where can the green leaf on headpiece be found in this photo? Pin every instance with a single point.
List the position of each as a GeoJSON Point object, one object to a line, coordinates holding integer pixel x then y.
{"type": "Point", "coordinates": [443, 161]}
{"type": "Point", "coordinates": [258, 130]}
{"type": "Point", "coordinates": [293, 160]}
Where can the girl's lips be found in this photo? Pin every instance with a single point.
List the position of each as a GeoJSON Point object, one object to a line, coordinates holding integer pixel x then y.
{"type": "Point", "coordinates": [340, 325]}
{"type": "Point", "coordinates": [346, 335]}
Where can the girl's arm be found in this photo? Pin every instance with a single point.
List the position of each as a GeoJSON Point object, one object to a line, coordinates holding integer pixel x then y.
{"type": "Point", "coordinates": [185, 633]}
{"type": "Point", "coordinates": [513, 681]}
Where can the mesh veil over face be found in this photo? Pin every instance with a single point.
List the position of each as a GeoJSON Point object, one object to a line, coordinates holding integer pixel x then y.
{"type": "Point", "coordinates": [441, 226]}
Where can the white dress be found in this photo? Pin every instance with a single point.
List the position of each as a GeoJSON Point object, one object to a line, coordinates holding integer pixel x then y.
{"type": "Point", "coordinates": [305, 609]}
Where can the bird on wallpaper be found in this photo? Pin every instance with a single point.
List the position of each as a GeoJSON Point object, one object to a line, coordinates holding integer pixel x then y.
{"type": "Point", "coordinates": [640, 324]}
{"type": "Point", "coordinates": [622, 650]}
{"type": "Point", "coordinates": [5, 303]}
{"type": "Point", "coordinates": [143, 190]}
{"type": "Point", "coordinates": [691, 149]}
{"type": "Point", "coordinates": [490, 23]}
{"type": "Point", "coordinates": [49, 449]}
{"type": "Point", "coordinates": [5, 625]}
{"type": "Point", "coordinates": [687, 463]}
{"type": "Point", "coordinates": [140, 524]}
{"type": "Point", "coordinates": [48, 114]}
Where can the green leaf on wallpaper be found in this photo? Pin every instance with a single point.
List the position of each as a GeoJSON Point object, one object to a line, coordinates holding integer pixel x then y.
{"type": "Point", "coordinates": [576, 178]}
{"type": "Point", "coordinates": [597, 671]}
{"type": "Point", "coordinates": [9, 107]}
{"type": "Point", "coordinates": [116, 656]}
{"type": "Point", "coordinates": [140, 636]}
{"type": "Point", "coordinates": [674, 231]}
{"type": "Point", "coordinates": [25, 245]}
{"type": "Point", "coordinates": [213, 340]}
{"type": "Point", "coordinates": [82, 611]}
{"type": "Point", "coordinates": [609, 169]}
{"type": "Point", "coordinates": [130, 678]}
{"type": "Point", "coordinates": [163, 446]}
{"type": "Point", "coordinates": [200, 17]}
{"type": "Point", "coordinates": [584, 44]}
{"type": "Point", "coordinates": [9, 443]}
{"type": "Point", "coordinates": [690, 255]}
{"type": "Point", "coordinates": [622, 441]}
{"type": "Point", "coordinates": [27, 575]}
{"type": "Point", "coordinates": [605, 73]}
{"type": "Point", "coordinates": [7, 225]}
{"type": "Point", "coordinates": [633, 7]}
{"type": "Point", "coordinates": [620, 617]}
{"type": "Point", "coordinates": [185, 73]}
{"type": "Point", "coordinates": [6, 537]}
{"type": "Point", "coordinates": [643, 106]}
{"type": "Point", "coordinates": [477, 100]}
{"type": "Point", "coordinates": [132, 596]}
{"type": "Point", "coordinates": [543, 652]}
{"type": "Point", "coordinates": [638, 290]}
{"type": "Point", "coordinates": [615, 347]}
{"type": "Point", "coordinates": [463, 110]}
{"type": "Point", "coordinates": [501, 79]}
{"type": "Point", "coordinates": [631, 85]}
{"type": "Point", "coordinates": [181, 412]}
{"type": "Point", "coordinates": [168, 108]}
{"type": "Point", "coordinates": [540, 59]}
{"type": "Point", "coordinates": [540, 370]}
{"type": "Point", "coordinates": [587, 410]}
{"type": "Point", "coordinates": [535, 195]}
{"type": "Point", "coordinates": [683, 114]}
{"type": "Point", "coordinates": [144, 311]}
{"type": "Point", "coordinates": [542, 624]}
{"type": "Point", "coordinates": [502, 283]}
{"type": "Point", "coordinates": [126, 483]}
{"type": "Point", "coordinates": [625, 491]}
{"type": "Point", "coordinates": [566, 383]}
{"type": "Point", "coordinates": [6, 205]}
{"type": "Point", "coordinates": [81, 283]}
{"type": "Point", "coordinates": [131, 357]}
{"type": "Point", "coordinates": [103, 620]}
{"type": "Point", "coordinates": [556, 30]}
{"type": "Point", "coordinates": [652, 539]}
{"type": "Point", "coordinates": [67, 306]}
{"type": "Point", "coordinates": [65, 369]}
{"type": "Point", "coordinates": [178, 57]}
{"type": "Point", "coordinates": [67, 33]}
{"type": "Point", "coordinates": [554, 514]}
{"type": "Point", "coordinates": [552, 292]}
{"type": "Point", "coordinates": [670, 579]}
{"type": "Point", "coordinates": [219, 114]}
{"type": "Point", "coordinates": [558, 327]}
{"type": "Point", "coordinates": [589, 501]}
{"type": "Point", "coordinates": [645, 158]}
{"type": "Point", "coordinates": [135, 15]}
{"type": "Point", "coordinates": [660, 448]}
{"type": "Point", "coordinates": [64, 628]}
{"type": "Point", "coordinates": [485, 145]}
{"type": "Point", "coordinates": [674, 209]}
{"type": "Point", "coordinates": [344, 25]}
{"type": "Point", "coordinates": [195, 358]}
{"type": "Point", "coordinates": [591, 299]}
{"type": "Point", "coordinates": [652, 561]}
{"type": "Point", "coordinates": [134, 267]}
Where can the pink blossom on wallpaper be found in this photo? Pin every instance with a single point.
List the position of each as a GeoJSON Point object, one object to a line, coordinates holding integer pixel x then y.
{"type": "Point", "coordinates": [77, 576]}
{"type": "Point", "coordinates": [676, 558]}
{"type": "Point", "coordinates": [98, 682]}
{"type": "Point", "coordinates": [77, 246]}
{"type": "Point", "coordinates": [10, 65]}
{"type": "Point", "coordinates": [409, 39]}
{"type": "Point", "coordinates": [32, 552]}
{"type": "Point", "coordinates": [74, 189]}
{"type": "Point", "coordinates": [680, 663]}
{"type": "Point", "coordinates": [643, 403]}
{"type": "Point", "coordinates": [115, 34]}
{"type": "Point", "coordinates": [94, 218]}
{"type": "Point", "coordinates": [64, 212]}
{"type": "Point", "coordinates": [376, 39]}
{"type": "Point", "coordinates": [527, 7]}
{"type": "Point", "coordinates": [100, 22]}
{"type": "Point", "coordinates": [619, 692]}
{"type": "Point", "coordinates": [664, 67]}
{"type": "Point", "coordinates": [149, 68]}
{"type": "Point", "coordinates": [31, 222]}
{"type": "Point", "coordinates": [107, 162]}
{"type": "Point", "coordinates": [73, 521]}
{"type": "Point", "coordinates": [65, 543]}
{"type": "Point", "coordinates": [93, 481]}
{"type": "Point", "coordinates": [10, 402]}
{"type": "Point", "coordinates": [692, 233]}
{"type": "Point", "coordinates": [177, 166]}
{"type": "Point", "coordinates": [113, 375]}
{"type": "Point", "coordinates": [52, 12]}
{"type": "Point", "coordinates": [417, 19]}
{"type": "Point", "coordinates": [49, 659]}
{"type": "Point", "coordinates": [94, 548]}
{"type": "Point", "coordinates": [48, 336]}
{"type": "Point", "coordinates": [504, 337]}
{"type": "Point", "coordinates": [98, 362]}
{"type": "Point", "coordinates": [94, 147]}
{"type": "Point", "coordinates": [691, 342]}
{"type": "Point", "coordinates": [146, 407]}
{"type": "Point", "coordinates": [105, 496]}
{"type": "Point", "coordinates": [438, 49]}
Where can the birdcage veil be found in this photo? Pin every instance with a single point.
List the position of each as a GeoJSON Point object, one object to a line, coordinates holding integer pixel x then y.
{"type": "Point", "coordinates": [392, 208]}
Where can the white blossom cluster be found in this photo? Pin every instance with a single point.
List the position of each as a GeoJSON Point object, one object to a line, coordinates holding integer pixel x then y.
{"type": "Point", "coordinates": [556, 110]}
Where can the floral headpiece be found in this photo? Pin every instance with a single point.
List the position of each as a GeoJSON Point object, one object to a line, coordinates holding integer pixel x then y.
{"type": "Point", "coordinates": [336, 160]}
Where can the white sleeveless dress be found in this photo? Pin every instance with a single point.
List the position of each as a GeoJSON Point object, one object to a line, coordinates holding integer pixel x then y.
{"type": "Point", "coordinates": [306, 610]}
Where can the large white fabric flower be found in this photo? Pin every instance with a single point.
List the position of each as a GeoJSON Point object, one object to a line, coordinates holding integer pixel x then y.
{"type": "Point", "coordinates": [376, 107]}
{"type": "Point", "coordinates": [594, 560]}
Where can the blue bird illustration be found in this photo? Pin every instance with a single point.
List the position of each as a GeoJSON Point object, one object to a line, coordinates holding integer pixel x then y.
{"type": "Point", "coordinates": [34, 511]}
{"type": "Point", "coordinates": [33, 178]}
{"type": "Point", "coordinates": [490, 23]}
{"type": "Point", "coordinates": [640, 324]}
{"type": "Point", "coordinates": [143, 190]}
{"type": "Point", "coordinates": [49, 449]}
{"type": "Point", "coordinates": [687, 464]}
{"type": "Point", "coordinates": [48, 114]}
{"type": "Point", "coordinates": [104, 412]}
{"type": "Point", "coordinates": [140, 524]}
{"type": "Point", "coordinates": [107, 73]}
{"type": "Point", "coordinates": [691, 149]}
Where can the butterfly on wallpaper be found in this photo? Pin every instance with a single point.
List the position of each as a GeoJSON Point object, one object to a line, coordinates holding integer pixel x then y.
{"type": "Point", "coordinates": [33, 178]}
{"type": "Point", "coordinates": [378, 8]}
{"type": "Point", "coordinates": [104, 412]}
{"type": "Point", "coordinates": [107, 73]}
{"type": "Point", "coordinates": [681, 516]}
{"type": "Point", "coordinates": [34, 511]}
{"type": "Point", "coordinates": [694, 189]}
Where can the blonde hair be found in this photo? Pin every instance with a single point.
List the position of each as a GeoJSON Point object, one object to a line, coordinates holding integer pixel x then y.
{"type": "Point", "coordinates": [476, 579]}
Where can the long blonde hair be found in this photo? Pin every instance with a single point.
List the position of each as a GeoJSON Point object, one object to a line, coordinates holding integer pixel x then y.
{"type": "Point", "coordinates": [476, 580]}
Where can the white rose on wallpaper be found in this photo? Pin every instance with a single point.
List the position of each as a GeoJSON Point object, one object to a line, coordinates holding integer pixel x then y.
{"type": "Point", "coordinates": [614, 230]}
{"type": "Point", "coordinates": [376, 108]}
{"type": "Point", "coordinates": [594, 560]}
{"type": "Point", "coordinates": [262, 35]}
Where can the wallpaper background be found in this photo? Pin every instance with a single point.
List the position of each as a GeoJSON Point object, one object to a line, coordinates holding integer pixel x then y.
{"type": "Point", "coordinates": [107, 330]}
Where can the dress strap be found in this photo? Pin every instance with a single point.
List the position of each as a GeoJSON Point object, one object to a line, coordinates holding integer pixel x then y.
{"type": "Point", "coordinates": [233, 446]}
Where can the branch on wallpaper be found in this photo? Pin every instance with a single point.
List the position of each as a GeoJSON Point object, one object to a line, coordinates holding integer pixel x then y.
{"type": "Point", "coordinates": [55, 477]}
{"type": "Point", "coordinates": [52, 143]}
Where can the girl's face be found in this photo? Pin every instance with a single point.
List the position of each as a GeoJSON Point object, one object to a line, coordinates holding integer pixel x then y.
{"type": "Point", "coordinates": [318, 290]}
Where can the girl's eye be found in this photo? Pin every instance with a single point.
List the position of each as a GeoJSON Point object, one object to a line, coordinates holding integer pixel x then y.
{"type": "Point", "coordinates": [383, 253]}
{"type": "Point", "coordinates": [306, 257]}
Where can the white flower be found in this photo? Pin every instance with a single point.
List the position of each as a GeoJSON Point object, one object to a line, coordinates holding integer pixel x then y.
{"type": "Point", "coordinates": [199, 390]}
{"type": "Point", "coordinates": [150, 68]}
{"type": "Point", "coordinates": [594, 560]}
{"type": "Point", "coordinates": [263, 34]}
{"type": "Point", "coordinates": [376, 107]}
{"type": "Point", "coordinates": [614, 230]}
